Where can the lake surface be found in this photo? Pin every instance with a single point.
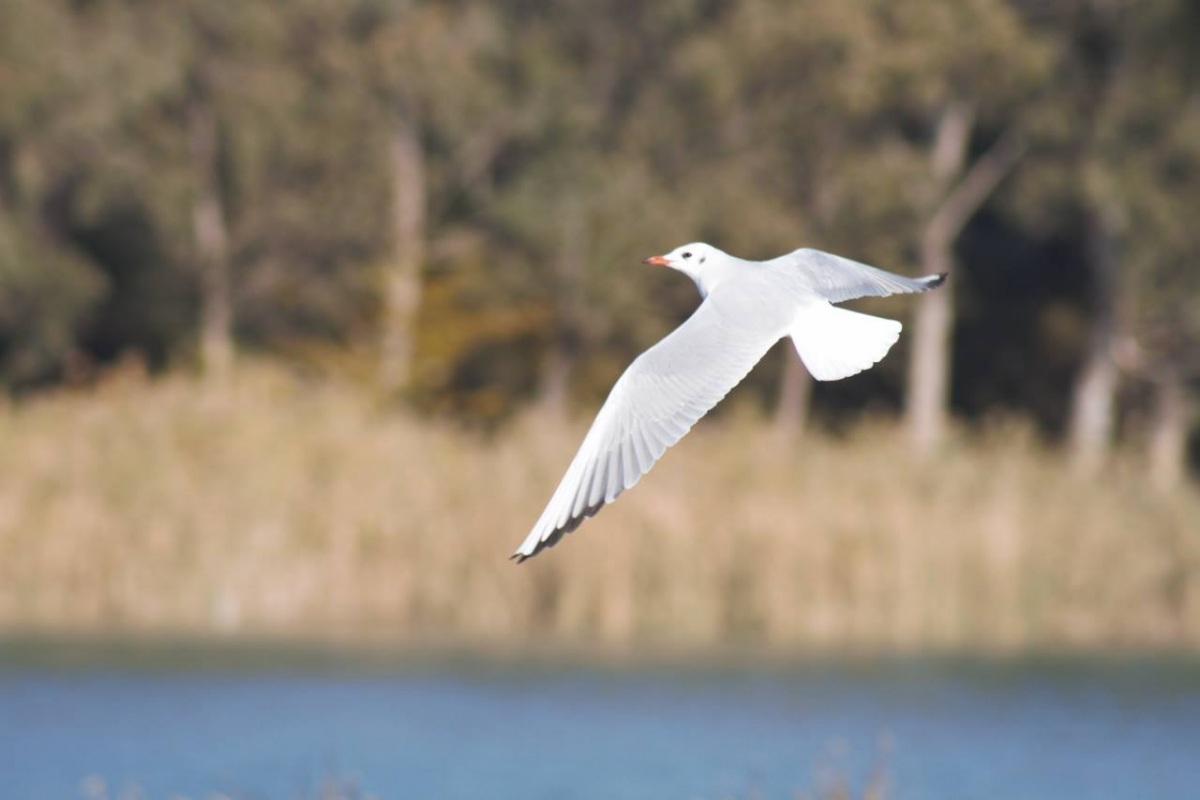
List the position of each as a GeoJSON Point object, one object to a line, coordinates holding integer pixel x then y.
{"type": "Point", "coordinates": [957, 730]}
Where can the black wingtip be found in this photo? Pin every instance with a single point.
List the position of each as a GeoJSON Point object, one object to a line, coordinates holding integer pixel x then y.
{"type": "Point", "coordinates": [558, 533]}
{"type": "Point", "coordinates": [937, 280]}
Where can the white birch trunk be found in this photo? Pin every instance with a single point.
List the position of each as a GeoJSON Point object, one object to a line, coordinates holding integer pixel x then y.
{"type": "Point", "coordinates": [964, 192]}
{"type": "Point", "coordinates": [1093, 400]}
{"type": "Point", "coordinates": [795, 395]}
{"type": "Point", "coordinates": [212, 245]}
{"type": "Point", "coordinates": [1169, 432]}
{"type": "Point", "coordinates": [403, 281]}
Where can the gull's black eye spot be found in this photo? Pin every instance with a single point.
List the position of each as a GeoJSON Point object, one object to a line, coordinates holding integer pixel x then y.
{"type": "Point", "coordinates": [687, 255]}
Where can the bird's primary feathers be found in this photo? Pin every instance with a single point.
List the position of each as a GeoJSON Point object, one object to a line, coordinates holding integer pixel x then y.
{"type": "Point", "coordinates": [747, 307]}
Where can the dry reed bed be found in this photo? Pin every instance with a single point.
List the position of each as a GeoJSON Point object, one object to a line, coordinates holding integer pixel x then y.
{"type": "Point", "coordinates": [279, 505]}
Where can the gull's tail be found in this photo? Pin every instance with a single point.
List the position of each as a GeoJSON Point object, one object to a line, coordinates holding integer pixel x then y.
{"type": "Point", "coordinates": [836, 343]}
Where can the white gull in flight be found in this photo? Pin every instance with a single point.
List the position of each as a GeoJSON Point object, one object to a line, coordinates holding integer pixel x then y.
{"type": "Point", "coordinates": [747, 307]}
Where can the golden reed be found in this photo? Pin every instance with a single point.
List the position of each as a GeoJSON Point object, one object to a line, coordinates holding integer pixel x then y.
{"type": "Point", "coordinates": [275, 505]}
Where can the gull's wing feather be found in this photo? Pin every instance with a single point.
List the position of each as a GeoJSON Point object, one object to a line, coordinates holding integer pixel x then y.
{"type": "Point", "coordinates": [653, 404]}
{"type": "Point", "coordinates": [837, 279]}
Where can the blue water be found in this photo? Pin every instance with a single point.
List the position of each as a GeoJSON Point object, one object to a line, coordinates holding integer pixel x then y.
{"type": "Point", "coordinates": [1012, 730]}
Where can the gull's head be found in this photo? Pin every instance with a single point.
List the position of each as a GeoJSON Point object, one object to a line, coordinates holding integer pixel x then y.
{"type": "Point", "coordinates": [695, 259]}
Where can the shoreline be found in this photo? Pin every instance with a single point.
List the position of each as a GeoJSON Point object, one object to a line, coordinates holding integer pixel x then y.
{"type": "Point", "coordinates": [304, 653]}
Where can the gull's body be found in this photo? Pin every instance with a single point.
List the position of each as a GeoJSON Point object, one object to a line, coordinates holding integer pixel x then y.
{"type": "Point", "coordinates": [747, 307]}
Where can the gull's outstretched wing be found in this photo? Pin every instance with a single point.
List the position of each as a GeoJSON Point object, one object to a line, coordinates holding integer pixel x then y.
{"type": "Point", "coordinates": [658, 399]}
{"type": "Point", "coordinates": [837, 279]}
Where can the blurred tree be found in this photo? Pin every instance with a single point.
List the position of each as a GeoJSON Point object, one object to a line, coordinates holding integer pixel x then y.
{"type": "Point", "coordinates": [230, 83]}
{"type": "Point", "coordinates": [428, 71]}
{"type": "Point", "coordinates": [958, 72]}
{"type": "Point", "coordinates": [582, 73]}
{"type": "Point", "coordinates": [211, 233]}
{"type": "Point", "coordinates": [173, 151]}
{"type": "Point", "coordinates": [44, 288]}
{"type": "Point", "coordinates": [68, 74]}
{"type": "Point", "coordinates": [789, 151]}
{"type": "Point", "coordinates": [238, 152]}
{"type": "Point", "coordinates": [1148, 147]}
{"type": "Point", "coordinates": [1090, 54]}
{"type": "Point", "coordinates": [461, 192]}
{"type": "Point", "coordinates": [1115, 164]}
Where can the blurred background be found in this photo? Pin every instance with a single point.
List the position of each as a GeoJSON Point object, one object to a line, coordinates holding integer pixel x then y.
{"type": "Point", "coordinates": [306, 305]}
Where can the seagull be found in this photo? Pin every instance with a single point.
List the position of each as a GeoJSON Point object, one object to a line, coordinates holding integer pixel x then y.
{"type": "Point", "coordinates": [747, 306]}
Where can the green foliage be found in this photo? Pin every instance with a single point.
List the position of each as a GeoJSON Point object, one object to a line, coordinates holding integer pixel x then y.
{"type": "Point", "coordinates": [563, 142]}
{"type": "Point", "coordinates": [1150, 172]}
{"type": "Point", "coordinates": [44, 295]}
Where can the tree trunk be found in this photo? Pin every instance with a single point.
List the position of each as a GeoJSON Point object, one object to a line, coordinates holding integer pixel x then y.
{"type": "Point", "coordinates": [928, 389]}
{"type": "Point", "coordinates": [1094, 397]}
{"type": "Point", "coordinates": [929, 365]}
{"type": "Point", "coordinates": [795, 395]}
{"type": "Point", "coordinates": [212, 245]}
{"type": "Point", "coordinates": [824, 200]}
{"type": "Point", "coordinates": [1169, 432]}
{"type": "Point", "coordinates": [402, 287]}
{"type": "Point", "coordinates": [569, 265]}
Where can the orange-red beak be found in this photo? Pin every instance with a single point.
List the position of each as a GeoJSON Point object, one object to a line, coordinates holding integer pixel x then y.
{"type": "Point", "coordinates": [658, 261]}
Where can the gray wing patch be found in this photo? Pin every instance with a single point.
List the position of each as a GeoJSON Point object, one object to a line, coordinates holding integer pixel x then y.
{"type": "Point", "coordinates": [838, 279]}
